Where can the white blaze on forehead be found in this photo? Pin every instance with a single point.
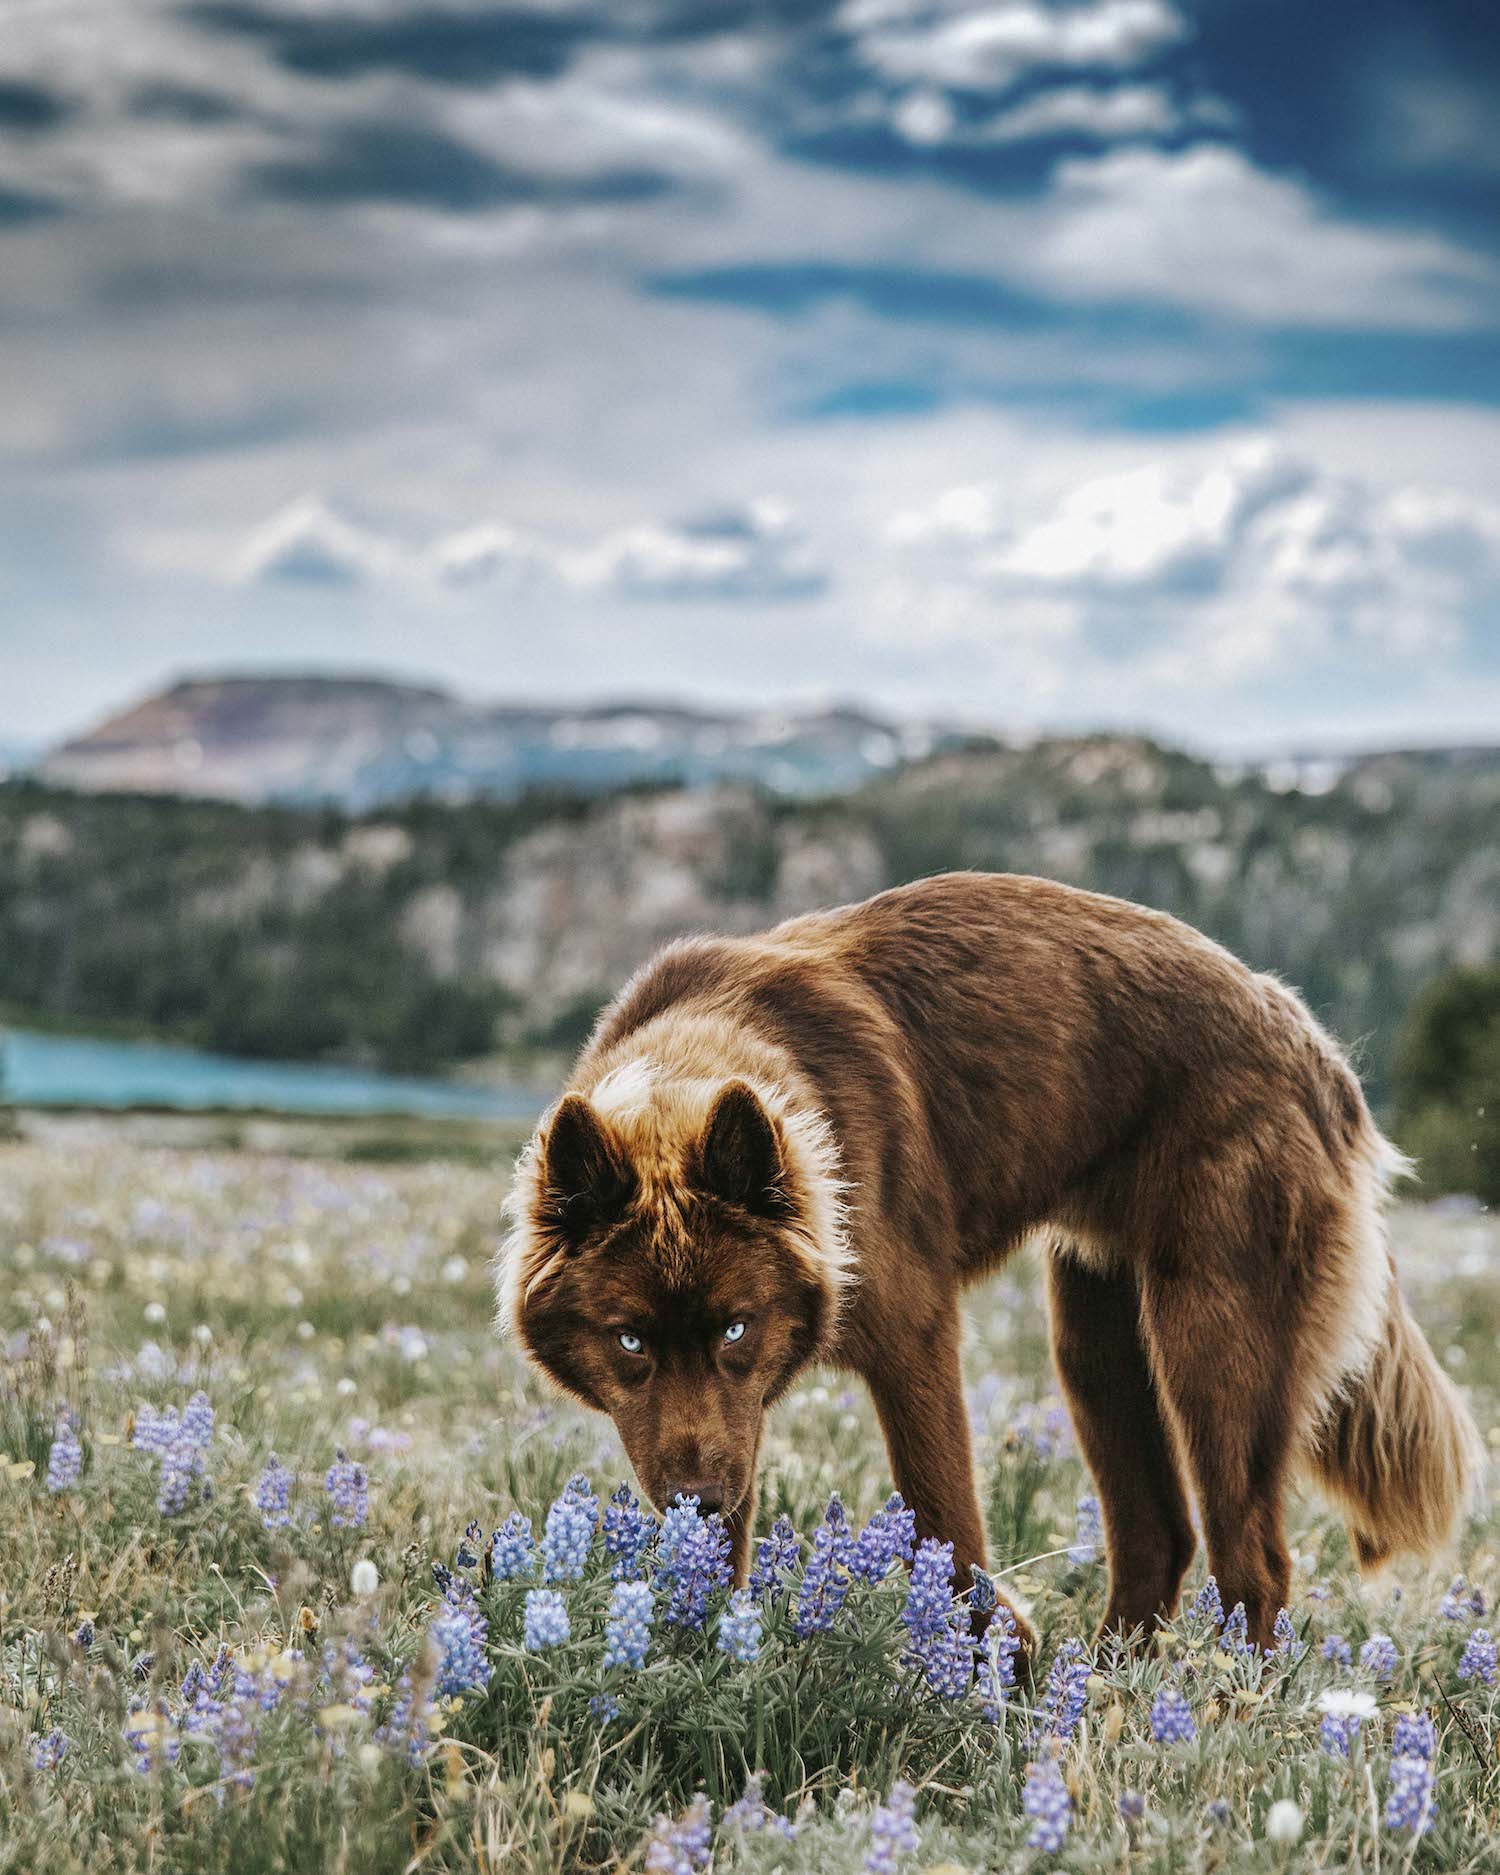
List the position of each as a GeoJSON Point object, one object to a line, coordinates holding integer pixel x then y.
{"type": "Point", "coordinates": [625, 1092]}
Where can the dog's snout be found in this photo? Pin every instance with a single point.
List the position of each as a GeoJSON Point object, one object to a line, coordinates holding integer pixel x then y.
{"type": "Point", "coordinates": [708, 1491]}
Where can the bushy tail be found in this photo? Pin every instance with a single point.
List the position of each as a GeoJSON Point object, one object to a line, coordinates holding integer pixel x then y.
{"type": "Point", "coordinates": [1397, 1449]}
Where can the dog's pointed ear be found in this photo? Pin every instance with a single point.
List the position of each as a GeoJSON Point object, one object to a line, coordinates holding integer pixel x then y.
{"type": "Point", "coordinates": [586, 1177]}
{"type": "Point", "coordinates": [740, 1156]}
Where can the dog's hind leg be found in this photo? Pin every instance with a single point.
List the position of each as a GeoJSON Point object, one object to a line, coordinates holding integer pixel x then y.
{"type": "Point", "coordinates": [1228, 1311]}
{"type": "Point", "coordinates": [1106, 1379]}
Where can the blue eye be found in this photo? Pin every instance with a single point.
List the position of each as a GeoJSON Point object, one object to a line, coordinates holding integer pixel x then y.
{"type": "Point", "coordinates": [631, 1343]}
{"type": "Point", "coordinates": [734, 1331]}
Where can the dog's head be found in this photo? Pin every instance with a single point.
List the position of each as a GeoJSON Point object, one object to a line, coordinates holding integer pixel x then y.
{"type": "Point", "coordinates": [676, 1258]}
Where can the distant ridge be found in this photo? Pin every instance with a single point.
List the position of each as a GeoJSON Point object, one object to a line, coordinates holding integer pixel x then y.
{"type": "Point", "coordinates": [363, 740]}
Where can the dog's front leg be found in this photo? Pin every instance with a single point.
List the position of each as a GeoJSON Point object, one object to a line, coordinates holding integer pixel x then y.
{"type": "Point", "coordinates": [920, 1402]}
{"type": "Point", "coordinates": [740, 1523]}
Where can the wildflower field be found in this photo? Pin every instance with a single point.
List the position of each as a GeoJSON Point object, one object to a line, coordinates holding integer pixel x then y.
{"type": "Point", "coordinates": [301, 1569]}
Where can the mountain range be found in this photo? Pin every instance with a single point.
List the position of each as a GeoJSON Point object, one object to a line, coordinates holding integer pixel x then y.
{"type": "Point", "coordinates": [361, 741]}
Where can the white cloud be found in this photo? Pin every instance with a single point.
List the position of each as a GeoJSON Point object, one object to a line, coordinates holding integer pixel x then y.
{"type": "Point", "coordinates": [1204, 227]}
{"type": "Point", "coordinates": [753, 552]}
{"type": "Point", "coordinates": [1116, 114]}
{"type": "Point", "coordinates": [1243, 554]}
{"type": "Point", "coordinates": [310, 541]}
{"type": "Point", "coordinates": [989, 47]}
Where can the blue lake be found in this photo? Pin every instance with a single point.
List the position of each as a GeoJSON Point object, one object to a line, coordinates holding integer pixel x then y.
{"type": "Point", "coordinates": [69, 1070]}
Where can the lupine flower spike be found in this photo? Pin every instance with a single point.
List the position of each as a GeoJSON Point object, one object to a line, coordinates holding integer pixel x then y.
{"type": "Point", "coordinates": [513, 1549]}
{"type": "Point", "coordinates": [1478, 1660]}
{"type": "Point", "coordinates": [893, 1831]}
{"type": "Point", "coordinates": [65, 1462]}
{"type": "Point", "coordinates": [627, 1633]}
{"type": "Point", "coordinates": [569, 1532]}
{"type": "Point", "coordinates": [348, 1488]}
{"type": "Point", "coordinates": [1066, 1693]}
{"type": "Point", "coordinates": [1378, 1656]}
{"type": "Point", "coordinates": [739, 1627]}
{"type": "Point", "coordinates": [776, 1556]}
{"type": "Point", "coordinates": [1046, 1801]}
{"type": "Point", "coordinates": [1172, 1718]}
{"type": "Point", "coordinates": [683, 1847]}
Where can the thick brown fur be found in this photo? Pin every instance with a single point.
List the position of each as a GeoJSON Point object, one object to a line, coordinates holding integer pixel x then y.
{"type": "Point", "coordinates": [829, 1132]}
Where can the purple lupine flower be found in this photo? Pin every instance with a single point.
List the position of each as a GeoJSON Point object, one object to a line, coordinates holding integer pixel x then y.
{"type": "Point", "coordinates": [750, 1813]}
{"type": "Point", "coordinates": [627, 1632]}
{"type": "Point", "coordinates": [826, 1579]}
{"type": "Point", "coordinates": [273, 1494]}
{"type": "Point", "coordinates": [692, 1557]}
{"type": "Point", "coordinates": [1066, 1693]}
{"type": "Point", "coordinates": [1208, 1604]}
{"type": "Point", "coordinates": [1172, 1718]}
{"type": "Point", "coordinates": [941, 1643]}
{"type": "Point", "coordinates": [1415, 1736]}
{"type": "Point", "coordinates": [893, 1830]}
{"type": "Point", "coordinates": [569, 1532]}
{"type": "Point", "coordinates": [1344, 1710]}
{"type": "Point", "coordinates": [348, 1487]}
{"type": "Point", "coordinates": [181, 1460]}
{"type": "Point", "coordinates": [1337, 1651]}
{"type": "Point", "coordinates": [1409, 1809]}
{"type": "Point", "coordinates": [628, 1530]}
{"type": "Point", "coordinates": [198, 1421]}
{"type": "Point", "coordinates": [885, 1539]}
{"type": "Point", "coordinates": [466, 1556]}
{"type": "Point", "coordinates": [65, 1461]}
{"type": "Point", "coordinates": [1088, 1531]}
{"type": "Point", "coordinates": [48, 1752]}
{"type": "Point", "coordinates": [1477, 1661]}
{"type": "Point", "coordinates": [513, 1549]}
{"type": "Point", "coordinates": [1284, 1635]}
{"type": "Point", "coordinates": [984, 1598]}
{"type": "Point", "coordinates": [605, 1707]}
{"type": "Point", "coordinates": [1043, 1432]}
{"type": "Point", "coordinates": [1132, 1806]}
{"type": "Point", "coordinates": [347, 1675]}
{"type": "Point", "coordinates": [1462, 1602]}
{"type": "Point", "coordinates": [929, 1594]}
{"type": "Point", "coordinates": [1234, 1637]}
{"type": "Point", "coordinates": [458, 1635]}
{"type": "Point", "coordinates": [1378, 1656]}
{"type": "Point", "coordinates": [683, 1847]}
{"type": "Point", "coordinates": [546, 1620]}
{"type": "Point", "coordinates": [82, 1636]}
{"type": "Point", "coordinates": [236, 1730]}
{"type": "Point", "coordinates": [775, 1556]}
{"type": "Point", "coordinates": [1046, 1801]}
{"type": "Point", "coordinates": [997, 1664]}
{"type": "Point", "coordinates": [154, 1431]}
{"type": "Point", "coordinates": [407, 1731]}
{"type": "Point", "coordinates": [739, 1628]}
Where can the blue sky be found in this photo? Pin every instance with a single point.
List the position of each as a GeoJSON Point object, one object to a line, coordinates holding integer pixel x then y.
{"type": "Point", "coordinates": [1125, 361]}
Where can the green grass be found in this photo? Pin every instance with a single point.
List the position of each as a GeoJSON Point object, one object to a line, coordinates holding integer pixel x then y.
{"type": "Point", "coordinates": [326, 1303]}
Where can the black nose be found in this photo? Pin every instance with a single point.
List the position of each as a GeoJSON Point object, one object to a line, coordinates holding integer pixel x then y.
{"type": "Point", "coordinates": [708, 1491]}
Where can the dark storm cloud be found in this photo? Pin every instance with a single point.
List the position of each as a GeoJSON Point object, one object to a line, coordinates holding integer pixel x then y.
{"type": "Point", "coordinates": [446, 47]}
{"type": "Point", "coordinates": [394, 163]}
{"type": "Point", "coordinates": [28, 107]}
{"type": "Point", "coordinates": [18, 207]}
{"type": "Point", "coordinates": [168, 103]}
{"type": "Point", "coordinates": [787, 290]}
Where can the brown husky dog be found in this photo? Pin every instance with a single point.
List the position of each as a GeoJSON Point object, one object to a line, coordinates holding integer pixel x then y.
{"type": "Point", "coordinates": [805, 1146]}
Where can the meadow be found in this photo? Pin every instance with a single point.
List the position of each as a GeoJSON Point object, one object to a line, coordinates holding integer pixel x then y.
{"type": "Point", "coordinates": [302, 1569]}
